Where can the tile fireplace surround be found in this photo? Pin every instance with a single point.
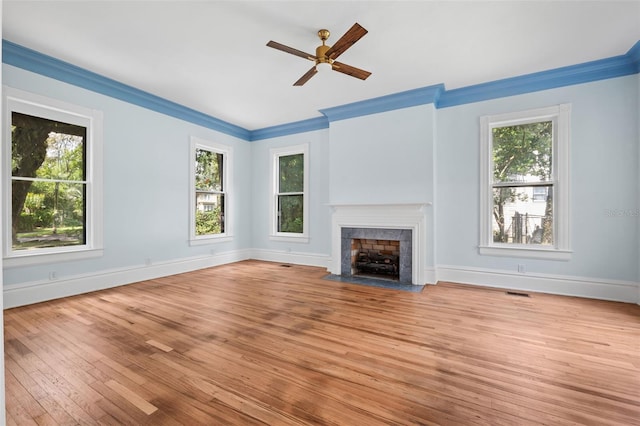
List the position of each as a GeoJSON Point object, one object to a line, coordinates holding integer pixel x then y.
{"type": "Point", "coordinates": [403, 236]}
{"type": "Point", "coordinates": [387, 218]}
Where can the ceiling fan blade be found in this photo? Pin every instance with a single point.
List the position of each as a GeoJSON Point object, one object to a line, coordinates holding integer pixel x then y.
{"type": "Point", "coordinates": [291, 50]}
{"type": "Point", "coordinates": [306, 77]}
{"type": "Point", "coordinates": [355, 33]}
{"type": "Point", "coordinates": [349, 70]}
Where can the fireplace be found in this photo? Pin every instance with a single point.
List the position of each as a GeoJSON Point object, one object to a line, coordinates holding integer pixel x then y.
{"type": "Point", "coordinates": [404, 223]}
{"type": "Point", "coordinates": [377, 253]}
{"type": "Point", "coordinates": [375, 258]}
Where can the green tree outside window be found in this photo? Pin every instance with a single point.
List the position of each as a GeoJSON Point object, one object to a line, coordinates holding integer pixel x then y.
{"type": "Point", "coordinates": [48, 183]}
{"type": "Point", "coordinates": [210, 195]}
{"type": "Point", "coordinates": [522, 161]}
{"type": "Point", "coordinates": [290, 195]}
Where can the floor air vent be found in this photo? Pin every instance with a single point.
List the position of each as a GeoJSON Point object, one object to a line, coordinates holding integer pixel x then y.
{"type": "Point", "coordinates": [286, 266]}
{"type": "Point", "coordinates": [516, 293]}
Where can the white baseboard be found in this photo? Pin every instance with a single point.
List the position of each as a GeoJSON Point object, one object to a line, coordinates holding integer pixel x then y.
{"type": "Point", "coordinates": [40, 291]}
{"type": "Point", "coordinates": [430, 276]}
{"type": "Point", "coordinates": [593, 288]}
{"type": "Point", "coordinates": [296, 258]}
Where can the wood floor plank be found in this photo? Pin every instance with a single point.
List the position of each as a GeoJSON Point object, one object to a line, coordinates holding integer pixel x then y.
{"type": "Point", "coordinates": [256, 343]}
{"type": "Point", "coordinates": [159, 345]}
{"type": "Point", "coordinates": [132, 397]}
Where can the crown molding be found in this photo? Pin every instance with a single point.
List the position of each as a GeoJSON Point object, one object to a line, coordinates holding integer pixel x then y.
{"type": "Point", "coordinates": [30, 60]}
{"type": "Point", "coordinates": [302, 126]}
{"type": "Point", "coordinates": [634, 55]}
{"type": "Point", "coordinates": [420, 96]}
{"type": "Point", "coordinates": [602, 69]}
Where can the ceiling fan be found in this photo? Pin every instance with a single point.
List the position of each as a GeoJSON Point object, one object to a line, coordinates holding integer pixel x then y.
{"type": "Point", "coordinates": [325, 56]}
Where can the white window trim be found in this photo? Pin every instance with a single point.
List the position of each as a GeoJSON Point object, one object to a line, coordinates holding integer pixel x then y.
{"type": "Point", "coordinates": [561, 250]}
{"type": "Point", "coordinates": [275, 154]}
{"type": "Point", "coordinates": [227, 172]}
{"type": "Point", "coordinates": [37, 105]}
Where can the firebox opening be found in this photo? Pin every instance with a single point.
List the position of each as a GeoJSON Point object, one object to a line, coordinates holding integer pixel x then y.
{"type": "Point", "coordinates": [375, 258]}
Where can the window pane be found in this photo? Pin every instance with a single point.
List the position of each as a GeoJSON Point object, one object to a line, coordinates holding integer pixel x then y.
{"type": "Point", "coordinates": [209, 213]}
{"type": "Point", "coordinates": [522, 153]}
{"type": "Point", "coordinates": [291, 173]}
{"type": "Point", "coordinates": [519, 218]}
{"type": "Point", "coordinates": [52, 215]}
{"type": "Point", "coordinates": [290, 213]}
{"type": "Point", "coordinates": [209, 167]}
{"type": "Point", "coordinates": [47, 149]}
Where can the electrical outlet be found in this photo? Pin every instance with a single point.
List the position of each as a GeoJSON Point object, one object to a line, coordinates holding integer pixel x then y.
{"type": "Point", "coordinates": [147, 261]}
{"type": "Point", "coordinates": [521, 268]}
{"type": "Point", "coordinates": [53, 275]}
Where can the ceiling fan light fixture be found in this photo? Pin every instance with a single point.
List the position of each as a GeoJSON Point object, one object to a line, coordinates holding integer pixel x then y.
{"type": "Point", "coordinates": [323, 67]}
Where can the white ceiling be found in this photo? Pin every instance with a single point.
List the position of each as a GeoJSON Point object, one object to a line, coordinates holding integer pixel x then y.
{"type": "Point", "coordinates": [211, 55]}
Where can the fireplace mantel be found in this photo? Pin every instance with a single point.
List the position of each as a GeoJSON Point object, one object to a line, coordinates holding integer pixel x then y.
{"type": "Point", "coordinates": [389, 216]}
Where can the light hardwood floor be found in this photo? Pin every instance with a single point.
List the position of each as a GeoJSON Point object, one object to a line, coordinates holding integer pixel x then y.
{"type": "Point", "coordinates": [259, 343]}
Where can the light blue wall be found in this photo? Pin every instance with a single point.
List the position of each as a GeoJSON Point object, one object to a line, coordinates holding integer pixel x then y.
{"type": "Point", "coordinates": [383, 158]}
{"type": "Point", "coordinates": [604, 176]}
{"type": "Point", "coordinates": [146, 184]}
{"type": "Point", "coordinates": [319, 212]}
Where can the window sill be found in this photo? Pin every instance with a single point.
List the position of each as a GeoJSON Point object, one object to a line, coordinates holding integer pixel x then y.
{"type": "Point", "coordinates": [213, 239]}
{"type": "Point", "coordinates": [31, 259]}
{"type": "Point", "coordinates": [526, 251]}
{"type": "Point", "coordinates": [290, 238]}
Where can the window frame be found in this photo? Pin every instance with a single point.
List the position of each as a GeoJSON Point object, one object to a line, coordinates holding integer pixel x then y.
{"type": "Point", "coordinates": [275, 154]}
{"type": "Point", "coordinates": [227, 191]}
{"type": "Point", "coordinates": [20, 101]}
{"type": "Point", "coordinates": [560, 115]}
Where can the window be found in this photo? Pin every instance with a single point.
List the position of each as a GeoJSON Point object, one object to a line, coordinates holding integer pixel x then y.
{"type": "Point", "coordinates": [53, 180]}
{"type": "Point", "coordinates": [290, 210]}
{"type": "Point", "coordinates": [540, 193]}
{"type": "Point", "coordinates": [210, 187]}
{"type": "Point", "coordinates": [525, 183]}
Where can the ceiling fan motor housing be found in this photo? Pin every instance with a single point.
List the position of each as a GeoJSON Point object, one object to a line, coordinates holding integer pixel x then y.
{"type": "Point", "coordinates": [321, 54]}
